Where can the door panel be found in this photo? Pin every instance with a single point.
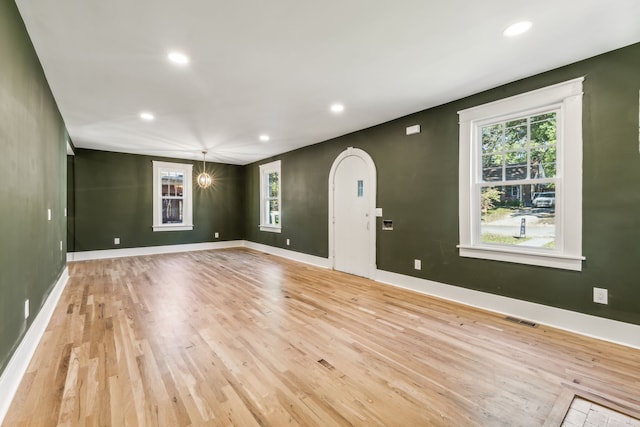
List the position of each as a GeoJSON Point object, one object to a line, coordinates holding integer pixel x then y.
{"type": "Point", "coordinates": [351, 216]}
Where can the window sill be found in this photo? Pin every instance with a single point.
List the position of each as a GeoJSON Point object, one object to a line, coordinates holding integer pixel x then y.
{"type": "Point", "coordinates": [171, 227]}
{"type": "Point", "coordinates": [552, 260]}
{"type": "Point", "coordinates": [271, 228]}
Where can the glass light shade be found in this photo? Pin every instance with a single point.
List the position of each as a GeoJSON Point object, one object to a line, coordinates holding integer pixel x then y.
{"type": "Point", "coordinates": [204, 180]}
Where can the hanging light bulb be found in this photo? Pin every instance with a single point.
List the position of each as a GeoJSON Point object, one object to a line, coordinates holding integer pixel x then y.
{"type": "Point", "coordinates": [204, 180]}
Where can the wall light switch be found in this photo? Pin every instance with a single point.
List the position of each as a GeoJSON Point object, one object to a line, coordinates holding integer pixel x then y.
{"type": "Point", "coordinates": [116, 240]}
{"type": "Point", "coordinates": [65, 212]}
{"type": "Point", "coordinates": [48, 214]}
{"type": "Point", "coordinates": [379, 212]}
{"type": "Point", "coordinates": [417, 264]}
{"type": "Point", "coordinates": [26, 309]}
{"type": "Point", "coordinates": [288, 242]}
{"type": "Point", "coordinates": [60, 245]}
{"type": "Point", "coordinates": [216, 235]}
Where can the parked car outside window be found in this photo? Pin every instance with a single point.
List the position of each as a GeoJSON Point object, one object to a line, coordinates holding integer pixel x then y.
{"type": "Point", "coordinates": [544, 200]}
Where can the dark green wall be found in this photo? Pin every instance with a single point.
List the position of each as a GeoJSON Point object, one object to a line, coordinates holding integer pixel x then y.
{"type": "Point", "coordinates": [418, 190]}
{"type": "Point", "coordinates": [71, 204]}
{"type": "Point", "coordinates": [304, 200]}
{"type": "Point", "coordinates": [114, 198]}
{"type": "Point", "coordinates": [33, 174]}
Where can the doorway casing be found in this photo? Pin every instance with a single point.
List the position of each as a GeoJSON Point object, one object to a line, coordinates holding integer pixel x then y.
{"type": "Point", "coordinates": [371, 209]}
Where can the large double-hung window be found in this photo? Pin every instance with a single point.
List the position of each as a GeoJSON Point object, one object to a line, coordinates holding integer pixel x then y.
{"type": "Point", "coordinates": [172, 196]}
{"type": "Point", "coordinates": [521, 178]}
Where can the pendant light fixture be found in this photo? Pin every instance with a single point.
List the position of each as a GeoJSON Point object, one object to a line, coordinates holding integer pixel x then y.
{"type": "Point", "coordinates": [204, 180]}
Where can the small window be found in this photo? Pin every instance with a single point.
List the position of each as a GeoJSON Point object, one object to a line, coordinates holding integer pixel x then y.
{"type": "Point", "coordinates": [172, 201]}
{"type": "Point", "coordinates": [271, 197]}
{"type": "Point", "coordinates": [521, 178]}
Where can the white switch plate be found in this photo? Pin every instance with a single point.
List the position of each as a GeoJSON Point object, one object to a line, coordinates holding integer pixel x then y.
{"type": "Point", "coordinates": [601, 295]}
{"type": "Point", "coordinates": [288, 242]}
{"type": "Point", "coordinates": [417, 264]}
{"type": "Point", "coordinates": [61, 245]}
{"type": "Point", "coordinates": [216, 235]}
{"type": "Point", "coordinates": [49, 214]}
{"type": "Point", "coordinates": [116, 240]}
{"type": "Point", "coordinates": [65, 212]}
{"type": "Point", "coordinates": [26, 309]}
{"type": "Point", "coordinates": [379, 212]}
{"type": "Point", "coordinates": [413, 129]}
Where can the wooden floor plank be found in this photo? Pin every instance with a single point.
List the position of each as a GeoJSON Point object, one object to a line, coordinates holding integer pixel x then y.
{"type": "Point", "coordinates": [238, 337]}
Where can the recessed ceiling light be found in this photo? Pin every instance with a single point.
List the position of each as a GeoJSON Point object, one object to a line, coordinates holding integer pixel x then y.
{"type": "Point", "coordinates": [147, 116]}
{"type": "Point", "coordinates": [517, 29]}
{"type": "Point", "coordinates": [178, 58]}
{"type": "Point", "coordinates": [264, 138]}
{"type": "Point", "coordinates": [337, 108]}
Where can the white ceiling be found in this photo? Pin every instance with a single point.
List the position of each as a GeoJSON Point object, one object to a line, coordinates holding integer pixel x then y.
{"type": "Point", "coordinates": [276, 66]}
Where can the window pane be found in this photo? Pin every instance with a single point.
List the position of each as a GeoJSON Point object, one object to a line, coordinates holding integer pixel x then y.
{"type": "Point", "coordinates": [543, 130]}
{"type": "Point", "coordinates": [492, 138]}
{"type": "Point", "coordinates": [274, 184]}
{"type": "Point", "coordinates": [273, 215]}
{"type": "Point", "coordinates": [516, 123]}
{"type": "Point", "coordinates": [172, 211]}
{"type": "Point", "coordinates": [492, 167]}
{"type": "Point", "coordinates": [179, 184]}
{"type": "Point", "coordinates": [166, 182]}
{"type": "Point", "coordinates": [543, 162]}
{"type": "Point", "coordinates": [172, 184]}
{"type": "Point", "coordinates": [507, 217]}
{"type": "Point", "coordinates": [516, 165]}
{"type": "Point", "coordinates": [515, 135]}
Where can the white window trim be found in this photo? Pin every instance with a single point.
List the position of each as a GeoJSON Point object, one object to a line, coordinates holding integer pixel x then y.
{"type": "Point", "coordinates": [187, 170]}
{"type": "Point", "coordinates": [567, 97]}
{"type": "Point", "coordinates": [265, 170]}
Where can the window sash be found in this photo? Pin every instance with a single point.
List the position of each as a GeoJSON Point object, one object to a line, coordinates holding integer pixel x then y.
{"type": "Point", "coordinates": [566, 98]}
{"type": "Point", "coordinates": [270, 220]}
{"type": "Point", "coordinates": [527, 148]}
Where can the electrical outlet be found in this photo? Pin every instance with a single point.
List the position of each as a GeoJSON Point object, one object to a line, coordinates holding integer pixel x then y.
{"type": "Point", "coordinates": [601, 295]}
{"type": "Point", "coordinates": [288, 242]}
{"type": "Point", "coordinates": [216, 235]}
{"type": "Point", "coordinates": [26, 309]}
{"type": "Point", "coordinates": [116, 240]}
{"type": "Point", "coordinates": [417, 264]}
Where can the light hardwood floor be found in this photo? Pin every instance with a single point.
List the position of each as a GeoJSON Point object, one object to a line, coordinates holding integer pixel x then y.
{"type": "Point", "coordinates": [237, 337]}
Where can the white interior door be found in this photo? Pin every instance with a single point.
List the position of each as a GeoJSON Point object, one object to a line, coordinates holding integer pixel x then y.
{"type": "Point", "coordinates": [352, 217]}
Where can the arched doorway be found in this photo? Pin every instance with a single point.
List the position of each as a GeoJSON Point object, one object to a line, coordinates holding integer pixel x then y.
{"type": "Point", "coordinates": [352, 224]}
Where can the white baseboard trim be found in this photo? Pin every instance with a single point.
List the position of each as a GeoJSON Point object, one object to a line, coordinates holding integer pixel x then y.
{"type": "Point", "coordinates": [151, 250]}
{"type": "Point", "coordinates": [168, 249]}
{"type": "Point", "coordinates": [19, 362]}
{"type": "Point", "coordinates": [293, 255]}
{"type": "Point", "coordinates": [614, 331]}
